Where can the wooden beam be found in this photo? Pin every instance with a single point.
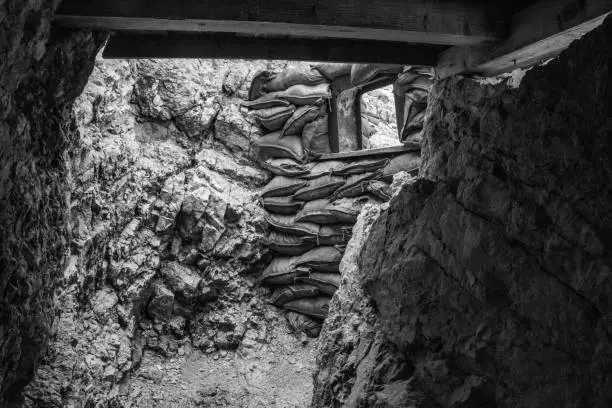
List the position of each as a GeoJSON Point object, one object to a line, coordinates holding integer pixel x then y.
{"type": "Point", "coordinates": [539, 32]}
{"type": "Point", "coordinates": [364, 154]}
{"type": "Point", "coordinates": [451, 22]}
{"type": "Point", "coordinates": [232, 46]}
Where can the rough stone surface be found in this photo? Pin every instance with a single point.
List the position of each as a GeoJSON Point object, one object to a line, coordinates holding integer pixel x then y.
{"type": "Point", "coordinates": [166, 237]}
{"type": "Point", "coordinates": [41, 72]}
{"type": "Point", "coordinates": [356, 365]}
{"type": "Point", "coordinates": [492, 273]}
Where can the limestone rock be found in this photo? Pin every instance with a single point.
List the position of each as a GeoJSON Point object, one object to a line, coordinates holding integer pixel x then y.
{"type": "Point", "coordinates": [500, 258]}
{"type": "Point", "coordinates": [182, 281]}
{"type": "Point", "coordinates": [40, 76]}
{"type": "Point", "coordinates": [149, 216]}
{"type": "Point", "coordinates": [161, 305]}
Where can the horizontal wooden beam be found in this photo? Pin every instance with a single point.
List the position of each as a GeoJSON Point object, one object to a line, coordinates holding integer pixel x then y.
{"type": "Point", "coordinates": [231, 46]}
{"type": "Point", "coordinates": [451, 22]}
{"type": "Point", "coordinates": [364, 154]}
{"type": "Point", "coordinates": [539, 32]}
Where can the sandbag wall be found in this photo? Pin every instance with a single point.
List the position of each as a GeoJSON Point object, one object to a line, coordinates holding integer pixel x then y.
{"type": "Point", "coordinates": [311, 206]}
{"type": "Point", "coordinates": [412, 89]}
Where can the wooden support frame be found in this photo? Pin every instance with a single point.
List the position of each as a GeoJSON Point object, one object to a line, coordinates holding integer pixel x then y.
{"type": "Point", "coordinates": [456, 22]}
{"type": "Point", "coordinates": [181, 45]}
{"type": "Point", "coordinates": [538, 32]}
{"type": "Point", "coordinates": [384, 151]}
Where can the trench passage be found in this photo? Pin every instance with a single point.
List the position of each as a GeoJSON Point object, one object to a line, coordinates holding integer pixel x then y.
{"type": "Point", "coordinates": [220, 197]}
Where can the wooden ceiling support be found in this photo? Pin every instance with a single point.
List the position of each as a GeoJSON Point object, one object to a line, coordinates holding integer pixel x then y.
{"type": "Point", "coordinates": [483, 37]}
{"type": "Point", "coordinates": [450, 22]}
{"type": "Point", "coordinates": [539, 32]}
{"type": "Point", "coordinates": [230, 46]}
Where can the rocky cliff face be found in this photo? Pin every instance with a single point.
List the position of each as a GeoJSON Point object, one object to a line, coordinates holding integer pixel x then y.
{"type": "Point", "coordinates": [166, 235]}
{"type": "Point", "coordinates": [41, 72]}
{"type": "Point", "coordinates": [490, 276]}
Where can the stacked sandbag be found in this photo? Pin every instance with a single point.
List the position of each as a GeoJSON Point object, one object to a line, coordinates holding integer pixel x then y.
{"type": "Point", "coordinates": [413, 85]}
{"type": "Point", "coordinates": [311, 206]}
{"type": "Point", "coordinates": [311, 212]}
{"type": "Point", "coordinates": [291, 107]}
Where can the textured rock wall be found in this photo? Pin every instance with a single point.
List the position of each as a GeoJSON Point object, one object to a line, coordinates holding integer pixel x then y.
{"type": "Point", "coordinates": [166, 233]}
{"type": "Point", "coordinates": [489, 278]}
{"type": "Point", "coordinates": [492, 275]}
{"type": "Point", "coordinates": [41, 72]}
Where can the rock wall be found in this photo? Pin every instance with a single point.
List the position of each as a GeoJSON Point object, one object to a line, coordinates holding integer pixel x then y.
{"type": "Point", "coordinates": [490, 276]}
{"type": "Point", "coordinates": [41, 72]}
{"type": "Point", "coordinates": [166, 235]}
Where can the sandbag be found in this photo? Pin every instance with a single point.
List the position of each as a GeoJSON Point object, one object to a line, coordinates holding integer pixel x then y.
{"type": "Point", "coordinates": [273, 118]}
{"type": "Point", "coordinates": [300, 95]}
{"type": "Point", "coordinates": [332, 70]}
{"type": "Point", "coordinates": [283, 271]}
{"type": "Point", "coordinates": [355, 185]}
{"type": "Point", "coordinates": [422, 83]}
{"type": "Point", "coordinates": [315, 137]}
{"type": "Point", "coordinates": [300, 118]}
{"type": "Point", "coordinates": [272, 146]}
{"type": "Point", "coordinates": [420, 80]}
{"type": "Point", "coordinates": [337, 234]}
{"type": "Point", "coordinates": [321, 187]}
{"type": "Point", "coordinates": [412, 109]}
{"type": "Point", "coordinates": [379, 189]}
{"type": "Point", "coordinates": [287, 244]}
{"type": "Point", "coordinates": [316, 211]}
{"type": "Point", "coordinates": [286, 167]}
{"type": "Point", "coordinates": [287, 224]}
{"type": "Point", "coordinates": [266, 101]}
{"type": "Point", "coordinates": [417, 95]}
{"type": "Point", "coordinates": [346, 210]}
{"type": "Point", "coordinates": [303, 324]}
{"type": "Point", "coordinates": [282, 205]}
{"type": "Point", "coordinates": [325, 259]}
{"type": "Point", "coordinates": [326, 283]}
{"type": "Point", "coordinates": [324, 168]}
{"type": "Point", "coordinates": [416, 137]}
{"type": "Point", "coordinates": [415, 123]}
{"type": "Point", "coordinates": [292, 292]}
{"type": "Point", "coordinates": [361, 166]}
{"type": "Point", "coordinates": [405, 78]}
{"type": "Point", "coordinates": [283, 186]}
{"type": "Point", "coordinates": [296, 75]}
{"type": "Point", "coordinates": [257, 84]}
{"type": "Point", "coordinates": [361, 74]}
{"type": "Point", "coordinates": [317, 307]}
{"type": "Point", "coordinates": [404, 162]}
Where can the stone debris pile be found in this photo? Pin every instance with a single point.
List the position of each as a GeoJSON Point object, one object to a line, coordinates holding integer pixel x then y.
{"type": "Point", "coordinates": [312, 204]}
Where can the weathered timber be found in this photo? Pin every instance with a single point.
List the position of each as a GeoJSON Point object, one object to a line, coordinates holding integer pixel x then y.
{"type": "Point", "coordinates": [415, 21]}
{"type": "Point", "coordinates": [220, 45]}
{"type": "Point", "coordinates": [385, 151]}
{"type": "Point", "coordinates": [538, 32]}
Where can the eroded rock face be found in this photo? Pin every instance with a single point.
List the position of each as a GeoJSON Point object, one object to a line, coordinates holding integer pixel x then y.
{"type": "Point", "coordinates": [167, 232]}
{"type": "Point", "coordinates": [356, 365]}
{"type": "Point", "coordinates": [492, 273]}
{"type": "Point", "coordinates": [41, 72]}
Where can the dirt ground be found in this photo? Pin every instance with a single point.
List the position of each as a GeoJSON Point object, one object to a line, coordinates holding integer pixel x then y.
{"type": "Point", "coordinates": [273, 371]}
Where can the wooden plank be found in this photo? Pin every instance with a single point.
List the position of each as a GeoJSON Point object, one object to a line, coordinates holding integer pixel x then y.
{"type": "Point", "coordinates": [539, 32]}
{"type": "Point", "coordinates": [332, 124]}
{"type": "Point", "coordinates": [452, 22]}
{"type": "Point", "coordinates": [364, 154]}
{"type": "Point", "coordinates": [232, 46]}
